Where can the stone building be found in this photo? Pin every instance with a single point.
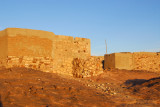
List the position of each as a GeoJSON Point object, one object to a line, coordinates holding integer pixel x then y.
{"type": "Point", "coordinates": [42, 50]}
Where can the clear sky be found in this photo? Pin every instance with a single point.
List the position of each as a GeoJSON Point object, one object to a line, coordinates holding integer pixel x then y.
{"type": "Point", "coordinates": [127, 25]}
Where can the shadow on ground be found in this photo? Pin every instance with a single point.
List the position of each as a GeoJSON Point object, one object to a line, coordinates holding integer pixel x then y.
{"type": "Point", "coordinates": [134, 82]}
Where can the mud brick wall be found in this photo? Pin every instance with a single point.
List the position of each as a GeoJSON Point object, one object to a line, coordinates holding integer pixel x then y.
{"type": "Point", "coordinates": [146, 61]}
{"type": "Point", "coordinates": [92, 66]}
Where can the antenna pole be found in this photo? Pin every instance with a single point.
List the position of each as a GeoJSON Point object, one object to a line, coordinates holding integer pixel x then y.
{"type": "Point", "coordinates": [106, 46]}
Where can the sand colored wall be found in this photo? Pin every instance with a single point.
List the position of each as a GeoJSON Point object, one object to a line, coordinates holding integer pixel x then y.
{"type": "Point", "coordinates": [23, 42]}
{"type": "Point", "coordinates": [109, 61]}
{"type": "Point", "coordinates": [118, 60]}
{"type": "Point", "coordinates": [68, 46]}
{"type": "Point", "coordinates": [65, 49]}
{"type": "Point", "coordinates": [39, 63]}
{"type": "Point", "coordinates": [148, 61]}
{"type": "Point", "coordinates": [3, 47]}
{"type": "Point", "coordinates": [28, 44]}
{"type": "Point", "coordinates": [29, 32]}
{"type": "Point", "coordinates": [123, 61]}
{"type": "Point", "coordinates": [3, 44]}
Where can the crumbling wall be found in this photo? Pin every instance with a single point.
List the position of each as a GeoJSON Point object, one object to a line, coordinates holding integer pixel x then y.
{"type": "Point", "coordinates": [92, 66]}
{"type": "Point", "coordinates": [148, 61]}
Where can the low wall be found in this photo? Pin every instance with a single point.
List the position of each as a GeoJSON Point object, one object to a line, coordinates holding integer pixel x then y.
{"type": "Point", "coordinates": [63, 66]}
{"type": "Point", "coordinates": [119, 60]}
{"type": "Point", "coordinates": [45, 64]}
{"type": "Point", "coordinates": [147, 61]}
{"type": "Point", "coordinates": [39, 63]}
{"type": "Point", "coordinates": [91, 66]}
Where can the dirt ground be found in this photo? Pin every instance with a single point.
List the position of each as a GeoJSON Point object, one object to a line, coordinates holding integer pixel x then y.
{"type": "Point", "coordinates": [22, 87]}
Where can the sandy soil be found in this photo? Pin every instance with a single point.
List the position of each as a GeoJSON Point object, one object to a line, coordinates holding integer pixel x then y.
{"type": "Point", "coordinates": [22, 87]}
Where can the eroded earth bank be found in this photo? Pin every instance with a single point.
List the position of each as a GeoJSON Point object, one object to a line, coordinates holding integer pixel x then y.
{"type": "Point", "coordinates": [22, 87]}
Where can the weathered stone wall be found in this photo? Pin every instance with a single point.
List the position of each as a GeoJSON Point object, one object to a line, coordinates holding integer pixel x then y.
{"type": "Point", "coordinates": [3, 48]}
{"type": "Point", "coordinates": [22, 47]}
{"type": "Point", "coordinates": [39, 63]}
{"type": "Point", "coordinates": [26, 42]}
{"type": "Point", "coordinates": [65, 49]}
{"type": "Point", "coordinates": [92, 66]}
{"type": "Point", "coordinates": [148, 61]}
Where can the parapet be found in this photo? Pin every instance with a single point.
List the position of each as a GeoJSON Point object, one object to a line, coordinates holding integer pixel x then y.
{"type": "Point", "coordinates": [29, 32]}
{"type": "Point", "coordinates": [81, 39]}
{"type": "Point", "coordinates": [145, 53]}
{"type": "Point", "coordinates": [63, 38]}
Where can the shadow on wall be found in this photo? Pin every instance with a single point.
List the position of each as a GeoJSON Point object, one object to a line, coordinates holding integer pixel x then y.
{"type": "Point", "coordinates": [1, 102]}
{"type": "Point", "coordinates": [103, 64]}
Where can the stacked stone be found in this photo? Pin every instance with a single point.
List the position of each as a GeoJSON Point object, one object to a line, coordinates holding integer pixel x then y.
{"type": "Point", "coordinates": [78, 67]}
{"type": "Point", "coordinates": [148, 62]}
{"type": "Point", "coordinates": [63, 66]}
{"type": "Point", "coordinates": [66, 48]}
{"type": "Point", "coordinates": [81, 47]}
{"type": "Point", "coordinates": [2, 63]}
{"type": "Point", "coordinates": [69, 47]}
{"type": "Point", "coordinates": [40, 63]}
{"type": "Point", "coordinates": [91, 66]}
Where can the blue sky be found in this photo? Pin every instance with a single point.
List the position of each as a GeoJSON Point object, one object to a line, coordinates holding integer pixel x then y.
{"type": "Point", "coordinates": [127, 25]}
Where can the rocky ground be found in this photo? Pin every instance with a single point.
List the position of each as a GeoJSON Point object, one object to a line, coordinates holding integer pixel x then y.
{"type": "Point", "coordinates": [22, 87]}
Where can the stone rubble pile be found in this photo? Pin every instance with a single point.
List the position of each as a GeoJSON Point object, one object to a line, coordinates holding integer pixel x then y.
{"type": "Point", "coordinates": [104, 87]}
{"type": "Point", "coordinates": [91, 66]}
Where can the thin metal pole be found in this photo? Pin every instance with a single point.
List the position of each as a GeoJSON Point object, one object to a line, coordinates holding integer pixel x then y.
{"type": "Point", "coordinates": [106, 46]}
